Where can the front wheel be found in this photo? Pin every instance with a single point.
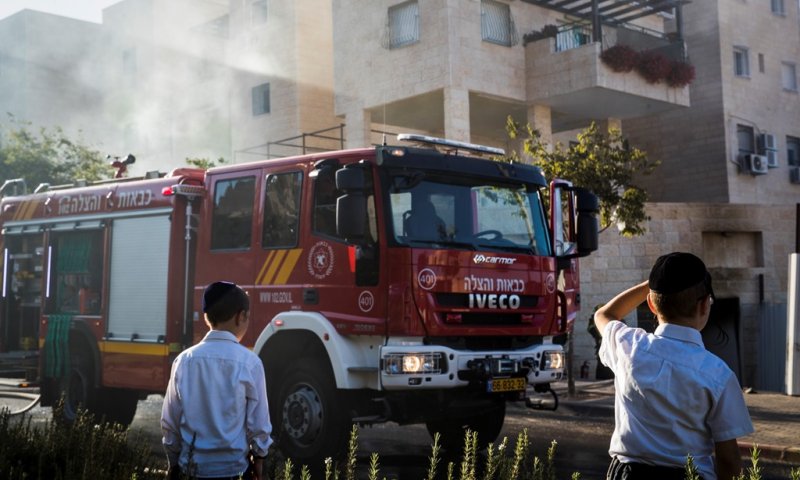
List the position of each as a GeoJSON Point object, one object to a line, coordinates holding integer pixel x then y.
{"type": "Point", "coordinates": [313, 425]}
{"type": "Point", "coordinates": [486, 423]}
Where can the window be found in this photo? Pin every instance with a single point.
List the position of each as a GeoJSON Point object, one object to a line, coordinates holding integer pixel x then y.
{"type": "Point", "coordinates": [741, 62]}
{"type": "Point", "coordinates": [744, 138]}
{"type": "Point", "coordinates": [761, 63]}
{"type": "Point", "coordinates": [793, 151]}
{"type": "Point", "coordinates": [232, 215]}
{"type": "Point", "coordinates": [789, 76]}
{"type": "Point", "coordinates": [261, 99]}
{"type": "Point", "coordinates": [282, 210]}
{"type": "Point", "coordinates": [258, 12]}
{"type": "Point", "coordinates": [403, 24]}
{"type": "Point", "coordinates": [778, 7]}
{"type": "Point", "coordinates": [325, 195]}
{"type": "Point", "coordinates": [497, 26]}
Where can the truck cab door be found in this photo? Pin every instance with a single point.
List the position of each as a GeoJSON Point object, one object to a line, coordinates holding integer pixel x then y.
{"type": "Point", "coordinates": [226, 249]}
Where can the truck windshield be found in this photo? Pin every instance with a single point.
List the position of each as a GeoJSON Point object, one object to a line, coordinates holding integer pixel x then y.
{"type": "Point", "coordinates": [467, 213]}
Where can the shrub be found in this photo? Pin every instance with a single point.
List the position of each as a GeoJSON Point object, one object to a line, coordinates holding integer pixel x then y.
{"type": "Point", "coordinates": [653, 66]}
{"type": "Point", "coordinates": [83, 449]}
{"type": "Point", "coordinates": [620, 58]}
{"type": "Point", "coordinates": [548, 31]}
{"type": "Point", "coordinates": [680, 74]}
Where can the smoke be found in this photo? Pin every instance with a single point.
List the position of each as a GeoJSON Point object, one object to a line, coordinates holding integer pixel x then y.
{"type": "Point", "coordinates": [164, 80]}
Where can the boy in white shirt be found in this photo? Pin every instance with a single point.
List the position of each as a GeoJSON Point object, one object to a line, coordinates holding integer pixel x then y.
{"type": "Point", "coordinates": [673, 397]}
{"type": "Point", "coordinates": [215, 414]}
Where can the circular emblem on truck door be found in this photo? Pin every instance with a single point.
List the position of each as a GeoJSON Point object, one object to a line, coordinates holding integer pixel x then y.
{"type": "Point", "coordinates": [320, 260]}
{"type": "Point", "coordinates": [366, 301]}
{"type": "Point", "coordinates": [426, 279]}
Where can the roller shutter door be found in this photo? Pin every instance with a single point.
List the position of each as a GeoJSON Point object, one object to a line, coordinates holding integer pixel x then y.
{"type": "Point", "coordinates": [138, 285]}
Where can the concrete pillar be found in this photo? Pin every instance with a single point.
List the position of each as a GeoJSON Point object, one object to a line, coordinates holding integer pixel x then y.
{"type": "Point", "coordinates": [540, 118]}
{"type": "Point", "coordinates": [456, 114]}
{"type": "Point", "coordinates": [610, 123]}
{"type": "Point", "coordinates": [359, 125]}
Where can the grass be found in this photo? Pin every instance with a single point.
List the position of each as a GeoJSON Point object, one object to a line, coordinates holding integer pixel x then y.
{"type": "Point", "coordinates": [88, 450]}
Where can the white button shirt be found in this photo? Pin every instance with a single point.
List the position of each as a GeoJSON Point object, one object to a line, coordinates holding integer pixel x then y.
{"type": "Point", "coordinates": [216, 398]}
{"type": "Point", "coordinates": [673, 397]}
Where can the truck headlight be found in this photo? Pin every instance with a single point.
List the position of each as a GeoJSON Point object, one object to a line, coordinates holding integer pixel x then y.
{"type": "Point", "coordinates": [553, 361]}
{"type": "Point", "coordinates": [405, 363]}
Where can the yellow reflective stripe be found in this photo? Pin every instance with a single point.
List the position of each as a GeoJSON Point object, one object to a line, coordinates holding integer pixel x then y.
{"type": "Point", "coordinates": [31, 209]}
{"type": "Point", "coordinates": [20, 209]}
{"type": "Point", "coordinates": [288, 266]}
{"type": "Point", "coordinates": [157, 349]}
{"type": "Point", "coordinates": [264, 267]}
{"type": "Point", "coordinates": [273, 267]}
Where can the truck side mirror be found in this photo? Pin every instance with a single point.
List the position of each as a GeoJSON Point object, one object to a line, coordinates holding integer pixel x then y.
{"type": "Point", "coordinates": [351, 207]}
{"type": "Point", "coordinates": [351, 215]}
{"type": "Point", "coordinates": [588, 227]}
{"type": "Point", "coordinates": [351, 179]}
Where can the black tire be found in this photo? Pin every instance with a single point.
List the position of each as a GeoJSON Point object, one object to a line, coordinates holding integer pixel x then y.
{"type": "Point", "coordinates": [116, 405]}
{"type": "Point", "coordinates": [312, 424]}
{"type": "Point", "coordinates": [487, 423]}
{"type": "Point", "coordinates": [78, 388]}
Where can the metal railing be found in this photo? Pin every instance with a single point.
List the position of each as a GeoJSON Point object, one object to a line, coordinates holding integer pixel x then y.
{"type": "Point", "coordinates": [305, 144]}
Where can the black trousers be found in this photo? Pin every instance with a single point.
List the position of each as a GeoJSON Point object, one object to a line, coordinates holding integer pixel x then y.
{"type": "Point", "coordinates": [641, 471]}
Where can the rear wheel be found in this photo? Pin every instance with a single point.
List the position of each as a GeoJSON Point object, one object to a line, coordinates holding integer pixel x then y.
{"type": "Point", "coordinates": [486, 423]}
{"type": "Point", "coordinates": [78, 388]}
{"type": "Point", "coordinates": [116, 405]}
{"type": "Point", "coordinates": [312, 425]}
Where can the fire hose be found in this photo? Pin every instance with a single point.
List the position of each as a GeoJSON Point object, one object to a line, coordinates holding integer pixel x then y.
{"type": "Point", "coordinates": [33, 397]}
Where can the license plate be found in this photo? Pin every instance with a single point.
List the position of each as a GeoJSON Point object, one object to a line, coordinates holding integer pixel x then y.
{"type": "Point", "coordinates": [506, 384]}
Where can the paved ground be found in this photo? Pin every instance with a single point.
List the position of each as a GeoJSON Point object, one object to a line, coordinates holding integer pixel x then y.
{"type": "Point", "coordinates": [582, 427]}
{"type": "Point", "coordinates": [776, 417]}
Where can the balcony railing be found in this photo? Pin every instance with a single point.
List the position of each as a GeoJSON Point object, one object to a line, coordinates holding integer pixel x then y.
{"type": "Point", "coordinates": [575, 35]}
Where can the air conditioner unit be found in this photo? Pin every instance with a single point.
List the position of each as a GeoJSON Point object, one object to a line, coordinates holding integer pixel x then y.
{"type": "Point", "coordinates": [794, 175]}
{"type": "Point", "coordinates": [772, 158]}
{"type": "Point", "coordinates": [765, 142]}
{"type": "Point", "coordinates": [755, 164]}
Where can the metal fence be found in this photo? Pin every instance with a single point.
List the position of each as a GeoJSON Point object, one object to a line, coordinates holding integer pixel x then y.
{"type": "Point", "coordinates": [771, 370]}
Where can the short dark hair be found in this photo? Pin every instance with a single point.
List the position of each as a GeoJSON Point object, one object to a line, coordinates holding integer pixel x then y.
{"type": "Point", "coordinates": [223, 300]}
{"type": "Point", "coordinates": [681, 304]}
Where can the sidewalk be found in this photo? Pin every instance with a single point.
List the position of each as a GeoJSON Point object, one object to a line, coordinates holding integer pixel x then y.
{"type": "Point", "coordinates": [776, 417]}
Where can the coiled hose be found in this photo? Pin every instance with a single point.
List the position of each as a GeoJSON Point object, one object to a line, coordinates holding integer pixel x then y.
{"type": "Point", "coordinates": [33, 397]}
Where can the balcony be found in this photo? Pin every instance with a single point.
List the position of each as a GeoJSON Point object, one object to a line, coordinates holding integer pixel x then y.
{"type": "Point", "coordinates": [567, 74]}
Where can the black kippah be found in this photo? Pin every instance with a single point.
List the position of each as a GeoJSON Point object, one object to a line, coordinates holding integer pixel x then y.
{"type": "Point", "coordinates": [677, 271]}
{"type": "Point", "coordinates": [214, 292]}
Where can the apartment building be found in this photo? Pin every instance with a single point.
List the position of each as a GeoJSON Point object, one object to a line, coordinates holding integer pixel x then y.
{"type": "Point", "coordinates": [729, 181]}
{"type": "Point", "coordinates": [170, 80]}
{"type": "Point", "coordinates": [728, 142]}
{"type": "Point", "coordinates": [49, 80]}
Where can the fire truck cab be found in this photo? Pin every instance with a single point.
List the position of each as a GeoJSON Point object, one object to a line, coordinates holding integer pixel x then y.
{"type": "Point", "coordinates": [396, 283]}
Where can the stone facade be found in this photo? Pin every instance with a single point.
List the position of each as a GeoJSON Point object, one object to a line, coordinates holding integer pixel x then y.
{"type": "Point", "coordinates": [739, 243]}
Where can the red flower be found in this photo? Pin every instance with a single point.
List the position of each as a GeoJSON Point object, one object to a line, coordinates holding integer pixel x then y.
{"type": "Point", "coordinates": [680, 74]}
{"type": "Point", "coordinates": [653, 66]}
{"type": "Point", "coordinates": [620, 58]}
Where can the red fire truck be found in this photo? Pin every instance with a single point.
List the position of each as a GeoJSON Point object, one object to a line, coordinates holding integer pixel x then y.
{"type": "Point", "coordinates": [397, 283]}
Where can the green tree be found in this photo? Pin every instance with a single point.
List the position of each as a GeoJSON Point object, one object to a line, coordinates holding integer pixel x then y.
{"type": "Point", "coordinates": [47, 156]}
{"type": "Point", "coordinates": [605, 163]}
{"type": "Point", "coordinates": [205, 163]}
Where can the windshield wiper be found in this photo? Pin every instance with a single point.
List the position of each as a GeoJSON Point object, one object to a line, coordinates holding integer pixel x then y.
{"type": "Point", "coordinates": [445, 243]}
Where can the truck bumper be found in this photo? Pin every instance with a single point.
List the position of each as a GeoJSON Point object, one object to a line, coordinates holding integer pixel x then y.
{"type": "Point", "coordinates": [405, 367]}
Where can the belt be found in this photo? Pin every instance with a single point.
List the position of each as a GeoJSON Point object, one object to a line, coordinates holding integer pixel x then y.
{"type": "Point", "coordinates": [642, 471]}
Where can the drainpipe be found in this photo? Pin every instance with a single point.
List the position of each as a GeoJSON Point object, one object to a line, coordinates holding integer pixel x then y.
{"type": "Point", "coordinates": [597, 25]}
